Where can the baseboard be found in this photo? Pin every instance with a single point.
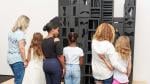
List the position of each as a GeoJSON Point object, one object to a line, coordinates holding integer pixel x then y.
{"type": "Point", "coordinates": [139, 82]}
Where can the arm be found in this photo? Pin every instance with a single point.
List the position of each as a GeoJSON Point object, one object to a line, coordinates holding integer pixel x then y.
{"type": "Point", "coordinates": [29, 55]}
{"type": "Point", "coordinates": [59, 52]}
{"type": "Point", "coordinates": [129, 67]}
{"type": "Point", "coordinates": [22, 51]}
{"type": "Point", "coordinates": [81, 60]}
{"type": "Point", "coordinates": [61, 59]}
{"type": "Point", "coordinates": [113, 57]}
{"type": "Point", "coordinates": [108, 64]}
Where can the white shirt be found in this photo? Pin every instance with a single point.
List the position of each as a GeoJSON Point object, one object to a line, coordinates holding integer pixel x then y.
{"type": "Point", "coordinates": [99, 68]}
{"type": "Point", "coordinates": [72, 54]}
{"type": "Point", "coordinates": [119, 76]}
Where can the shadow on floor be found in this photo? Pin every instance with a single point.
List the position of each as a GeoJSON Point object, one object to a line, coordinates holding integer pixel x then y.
{"type": "Point", "coordinates": [4, 78]}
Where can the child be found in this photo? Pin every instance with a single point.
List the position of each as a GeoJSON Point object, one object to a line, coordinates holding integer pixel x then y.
{"type": "Point", "coordinates": [122, 46]}
{"type": "Point", "coordinates": [73, 59]}
{"type": "Point", "coordinates": [34, 72]}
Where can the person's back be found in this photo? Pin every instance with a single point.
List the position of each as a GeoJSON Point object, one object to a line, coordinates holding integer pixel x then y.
{"type": "Point", "coordinates": [73, 59]}
{"type": "Point", "coordinates": [72, 54]}
{"type": "Point", "coordinates": [16, 48]}
{"type": "Point", "coordinates": [52, 51]}
{"type": "Point", "coordinates": [122, 46]}
{"type": "Point", "coordinates": [34, 73]}
{"type": "Point", "coordinates": [49, 48]}
{"type": "Point", "coordinates": [119, 76]}
{"type": "Point", "coordinates": [102, 45]}
{"type": "Point", "coordinates": [13, 48]}
{"type": "Point", "coordinates": [98, 66]}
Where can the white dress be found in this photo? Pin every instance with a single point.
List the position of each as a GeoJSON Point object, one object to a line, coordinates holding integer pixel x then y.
{"type": "Point", "coordinates": [34, 73]}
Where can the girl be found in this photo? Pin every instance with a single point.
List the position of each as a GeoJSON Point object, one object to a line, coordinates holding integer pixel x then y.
{"type": "Point", "coordinates": [122, 46]}
{"type": "Point", "coordinates": [102, 44]}
{"type": "Point", "coordinates": [34, 72]}
{"type": "Point", "coordinates": [73, 59]}
{"type": "Point", "coordinates": [16, 48]}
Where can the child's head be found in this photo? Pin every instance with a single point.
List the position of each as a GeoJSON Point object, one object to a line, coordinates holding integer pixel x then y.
{"type": "Point", "coordinates": [105, 31]}
{"type": "Point", "coordinates": [122, 46]}
{"type": "Point", "coordinates": [36, 44]}
{"type": "Point", "coordinates": [72, 37]}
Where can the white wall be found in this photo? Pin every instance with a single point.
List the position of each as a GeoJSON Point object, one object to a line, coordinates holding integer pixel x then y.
{"type": "Point", "coordinates": [119, 8]}
{"type": "Point", "coordinates": [141, 69]}
{"type": "Point", "coordinates": [142, 42]}
{"type": "Point", "coordinates": [39, 11]}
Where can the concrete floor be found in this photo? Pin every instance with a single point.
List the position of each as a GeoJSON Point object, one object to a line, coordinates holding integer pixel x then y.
{"type": "Point", "coordinates": [11, 81]}
{"type": "Point", "coordinates": [134, 82]}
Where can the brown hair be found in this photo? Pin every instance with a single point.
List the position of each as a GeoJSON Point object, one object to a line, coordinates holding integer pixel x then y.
{"type": "Point", "coordinates": [72, 37]}
{"type": "Point", "coordinates": [122, 46]}
{"type": "Point", "coordinates": [36, 44]}
{"type": "Point", "coordinates": [105, 31]}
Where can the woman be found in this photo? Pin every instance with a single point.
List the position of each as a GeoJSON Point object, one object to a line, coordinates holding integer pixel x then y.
{"type": "Point", "coordinates": [16, 48]}
{"type": "Point", "coordinates": [34, 73]}
{"type": "Point", "coordinates": [54, 59]}
{"type": "Point", "coordinates": [102, 45]}
{"type": "Point", "coordinates": [73, 59]}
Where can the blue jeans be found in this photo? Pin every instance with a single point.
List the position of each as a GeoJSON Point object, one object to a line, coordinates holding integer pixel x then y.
{"type": "Point", "coordinates": [52, 69]}
{"type": "Point", "coordinates": [18, 71]}
{"type": "Point", "coordinates": [72, 75]}
{"type": "Point", "coordinates": [106, 81]}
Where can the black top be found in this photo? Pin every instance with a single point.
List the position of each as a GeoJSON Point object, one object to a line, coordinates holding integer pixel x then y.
{"type": "Point", "coordinates": [50, 48]}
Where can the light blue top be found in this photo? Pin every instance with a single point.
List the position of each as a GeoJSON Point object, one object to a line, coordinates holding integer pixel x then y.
{"type": "Point", "coordinates": [13, 46]}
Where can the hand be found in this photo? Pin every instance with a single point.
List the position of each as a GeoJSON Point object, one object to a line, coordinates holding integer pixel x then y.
{"type": "Point", "coordinates": [102, 56]}
{"type": "Point", "coordinates": [25, 63]}
{"type": "Point", "coordinates": [64, 72]}
{"type": "Point", "coordinates": [56, 39]}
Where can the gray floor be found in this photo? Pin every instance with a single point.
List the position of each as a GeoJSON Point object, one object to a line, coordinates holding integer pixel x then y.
{"type": "Point", "coordinates": [5, 78]}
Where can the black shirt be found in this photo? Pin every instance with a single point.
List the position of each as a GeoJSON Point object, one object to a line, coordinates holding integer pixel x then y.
{"type": "Point", "coordinates": [50, 48]}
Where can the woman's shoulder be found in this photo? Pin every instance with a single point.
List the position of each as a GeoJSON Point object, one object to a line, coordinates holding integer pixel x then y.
{"type": "Point", "coordinates": [19, 32]}
{"type": "Point", "coordinates": [101, 42]}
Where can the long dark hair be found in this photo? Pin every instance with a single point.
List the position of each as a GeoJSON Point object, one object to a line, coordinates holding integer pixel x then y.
{"type": "Point", "coordinates": [72, 37]}
{"type": "Point", "coordinates": [36, 44]}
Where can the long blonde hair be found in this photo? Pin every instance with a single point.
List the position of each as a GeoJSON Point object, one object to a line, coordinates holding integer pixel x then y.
{"type": "Point", "coordinates": [36, 44]}
{"type": "Point", "coordinates": [105, 31]}
{"type": "Point", "coordinates": [122, 46]}
{"type": "Point", "coordinates": [21, 23]}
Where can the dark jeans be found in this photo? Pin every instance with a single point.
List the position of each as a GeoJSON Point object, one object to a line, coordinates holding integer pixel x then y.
{"type": "Point", "coordinates": [106, 81]}
{"type": "Point", "coordinates": [18, 71]}
{"type": "Point", "coordinates": [52, 71]}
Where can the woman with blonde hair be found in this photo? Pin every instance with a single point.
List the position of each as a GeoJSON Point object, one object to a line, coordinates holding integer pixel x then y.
{"type": "Point", "coordinates": [16, 48]}
{"type": "Point", "coordinates": [102, 45]}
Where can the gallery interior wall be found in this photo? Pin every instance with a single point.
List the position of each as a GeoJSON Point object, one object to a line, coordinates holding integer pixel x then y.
{"type": "Point", "coordinates": [41, 11]}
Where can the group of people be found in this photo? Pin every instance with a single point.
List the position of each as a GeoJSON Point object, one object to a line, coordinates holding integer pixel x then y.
{"type": "Point", "coordinates": [47, 62]}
